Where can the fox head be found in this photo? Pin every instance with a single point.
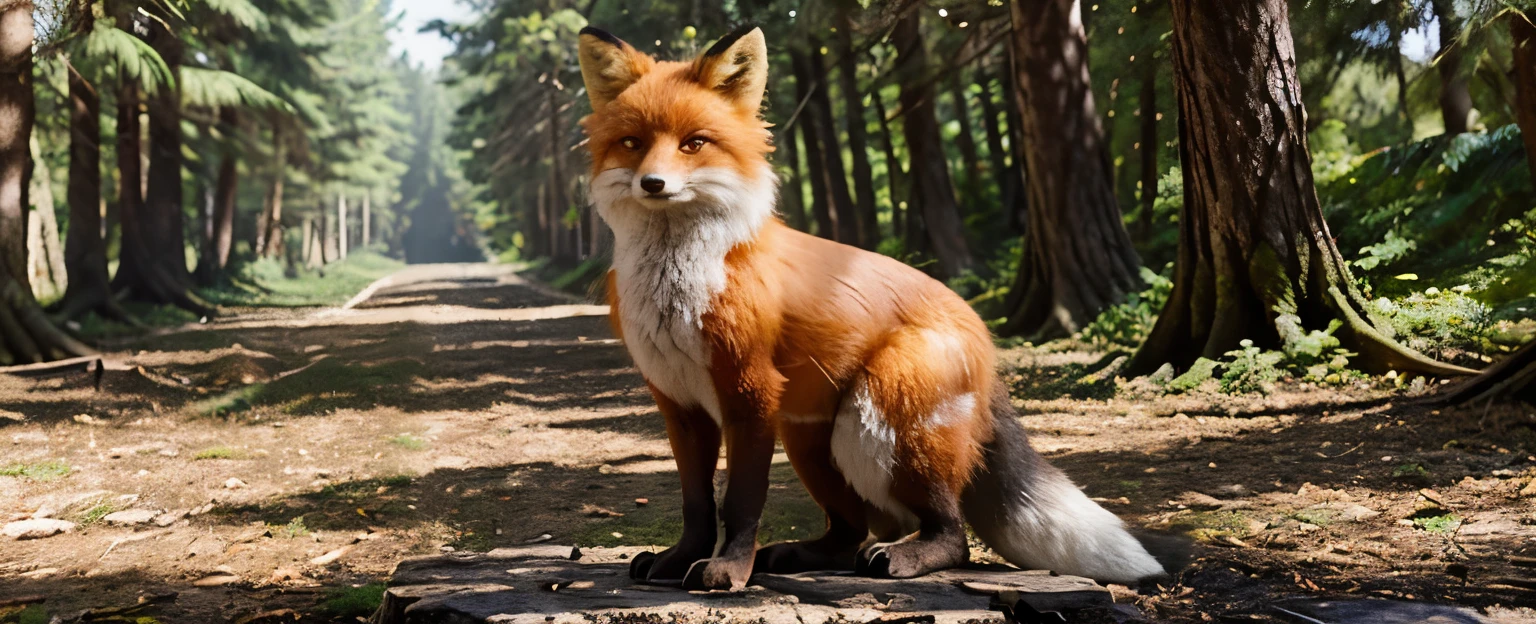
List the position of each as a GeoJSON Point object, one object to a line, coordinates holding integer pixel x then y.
{"type": "Point", "coordinates": [677, 137]}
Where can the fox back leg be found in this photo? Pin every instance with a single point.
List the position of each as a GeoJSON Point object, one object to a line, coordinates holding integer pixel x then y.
{"type": "Point", "coordinates": [905, 437]}
{"type": "Point", "coordinates": [805, 427]}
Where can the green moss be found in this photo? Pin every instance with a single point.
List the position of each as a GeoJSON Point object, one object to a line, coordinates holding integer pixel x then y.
{"type": "Point", "coordinates": [1445, 524]}
{"type": "Point", "coordinates": [51, 470]}
{"type": "Point", "coordinates": [294, 528]}
{"type": "Point", "coordinates": [348, 603]}
{"type": "Point", "coordinates": [30, 614]}
{"type": "Point", "coordinates": [230, 403]}
{"type": "Point", "coordinates": [1197, 374]}
{"type": "Point", "coordinates": [409, 441]}
{"type": "Point", "coordinates": [98, 511]}
{"type": "Point", "coordinates": [218, 452]}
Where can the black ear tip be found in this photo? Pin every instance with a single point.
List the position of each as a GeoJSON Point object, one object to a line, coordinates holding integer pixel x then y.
{"type": "Point", "coordinates": [602, 34]}
{"type": "Point", "coordinates": [727, 41]}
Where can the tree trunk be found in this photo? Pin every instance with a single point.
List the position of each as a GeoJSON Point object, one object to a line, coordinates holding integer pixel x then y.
{"type": "Point", "coordinates": [1149, 145]}
{"type": "Point", "coordinates": [793, 192]}
{"type": "Point", "coordinates": [17, 109]}
{"type": "Point", "coordinates": [367, 218]}
{"type": "Point", "coordinates": [997, 155]}
{"type": "Point", "coordinates": [858, 142]}
{"type": "Point", "coordinates": [1455, 97]}
{"type": "Point", "coordinates": [341, 226]}
{"type": "Point", "coordinates": [845, 219]}
{"type": "Point", "coordinates": [222, 235]}
{"type": "Point", "coordinates": [821, 202]}
{"type": "Point", "coordinates": [45, 254]}
{"type": "Point", "coordinates": [153, 265]}
{"type": "Point", "coordinates": [1522, 30]}
{"type": "Point", "coordinates": [85, 251]}
{"type": "Point", "coordinates": [307, 243]}
{"type": "Point", "coordinates": [931, 185]}
{"type": "Point", "coordinates": [1255, 259]}
{"type": "Point", "coordinates": [26, 334]}
{"type": "Point", "coordinates": [1404, 114]}
{"type": "Point", "coordinates": [270, 227]}
{"type": "Point", "coordinates": [895, 172]}
{"type": "Point", "coordinates": [1077, 257]}
{"type": "Point", "coordinates": [970, 155]}
{"type": "Point", "coordinates": [1016, 181]}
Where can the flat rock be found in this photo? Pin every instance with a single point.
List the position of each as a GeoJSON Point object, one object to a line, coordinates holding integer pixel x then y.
{"type": "Point", "coordinates": [1309, 611]}
{"type": "Point", "coordinates": [131, 516]}
{"type": "Point", "coordinates": [37, 528]}
{"type": "Point", "coordinates": [544, 584]}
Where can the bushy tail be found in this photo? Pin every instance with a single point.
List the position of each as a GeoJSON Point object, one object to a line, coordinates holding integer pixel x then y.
{"type": "Point", "coordinates": [1030, 512]}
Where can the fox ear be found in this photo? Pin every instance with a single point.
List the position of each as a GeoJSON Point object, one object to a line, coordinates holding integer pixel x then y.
{"type": "Point", "coordinates": [608, 65]}
{"type": "Point", "coordinates": [737, 67]}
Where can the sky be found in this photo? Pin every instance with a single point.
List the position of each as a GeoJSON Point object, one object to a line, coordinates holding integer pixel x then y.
{"type": "Point", "coordinates": [425, 48]}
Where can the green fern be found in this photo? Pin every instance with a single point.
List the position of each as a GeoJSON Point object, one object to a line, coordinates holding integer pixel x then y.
{"type": "Point", "coordinates": [212, 87]}
{"type": "Point", "coordinates": [133, 57]}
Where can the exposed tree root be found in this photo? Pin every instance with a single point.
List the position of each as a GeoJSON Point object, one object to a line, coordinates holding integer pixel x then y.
{"type": "Point", "coordinates": [1513, 378]}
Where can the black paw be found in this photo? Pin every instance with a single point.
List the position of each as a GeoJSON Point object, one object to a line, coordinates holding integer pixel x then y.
{"type": "Point", "coordinates": [873, 561]}
{"type": "Point", "coordinates": [640, 566]}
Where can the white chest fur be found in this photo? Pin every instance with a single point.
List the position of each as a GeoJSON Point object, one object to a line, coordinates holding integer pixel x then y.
{"type": "Point", "coordinates": [669, 266]}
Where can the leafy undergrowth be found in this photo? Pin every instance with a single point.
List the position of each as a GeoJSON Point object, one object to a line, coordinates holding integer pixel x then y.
{"type": "Point", "coordinates": [1442, 211]}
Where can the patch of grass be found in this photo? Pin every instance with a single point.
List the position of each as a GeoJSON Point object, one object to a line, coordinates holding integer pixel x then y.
{"type": "Point", "coordinates": [1209, 526]}
{"type": "Point", "coordinates": [229, 403]}
{"type": "Point", "coordinates": [353, 602]}
{"type": "Point", "coordinates": [1076, 381]}
{"type": "Point", "coordinates": [1319, 517]}
{"type": "Point", "coordinates": [1410, 471]}
{"type": "Point", "coordinates": [219, 452]}
{"type": "Point", "coordinates": [294, 528]}
{"type": "Point", "coordinates": [30, 614]}
{"type": "Point", "coordinates": [1130, 485]}
{"type": "Point", "coordinates": [1444, 524]}
{"type": "Point", "coordinates": [51, 470]}
{"type": "Point", "coordinates": [98, 511]}
{"type": "Point", "coordinates": [409, 441]}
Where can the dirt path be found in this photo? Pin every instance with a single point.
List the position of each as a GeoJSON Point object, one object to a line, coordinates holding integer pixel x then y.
{"type": "Point", "coordinates": [279, 457]}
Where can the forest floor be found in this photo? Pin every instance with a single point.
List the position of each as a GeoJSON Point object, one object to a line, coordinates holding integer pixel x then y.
{"type": "Point", "coordinates": [277, 464]}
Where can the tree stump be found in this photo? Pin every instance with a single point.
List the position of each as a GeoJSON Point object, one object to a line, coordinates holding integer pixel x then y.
{"type": "Point", "coordinates": [557, 584]}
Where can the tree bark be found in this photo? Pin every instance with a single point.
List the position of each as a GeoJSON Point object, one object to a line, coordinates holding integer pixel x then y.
{"type": "Point", "coordinates": [845, 219]}
{"type": "Point", "coordinates": [895, 172]}
{"type": "Point", "coordinates": [45, 254]}
{"type": "Point", "coordinates": [1455, 97]}
{"type": "Point", "coordinates": [341, 226]}
{"type": "Point", "coordinates": [17, 110]}
{"type": "Point", "coordinates": [1077, 257]}
{"type": "Point", "coordinates": [217, 248]}
{"type": "Point", "coordinates": [858, 142]}
{"type": "Point", "coordinates": [26, 334]}
{"type": "Point", "coordinates": [1016, 182]}
{"type": "Point", "coordinates": [367, 218]}
{"type": "Point", "coordinates": [1522, 30]}
{"type": "Point", "coordinates": [821, 203]}
{"type": "Point", "coordinates": [153, 264]}
{"type": "Point", "coordinates": [931, 185]}
{"type": "Point", "coordinates": [1255, 260]}
{"type": "Point", "coordinates": [85, 251]}
{"type": "Point", "coordinates": [1149, 145]}
{"type": "Point", "coordinates": [997, 157]}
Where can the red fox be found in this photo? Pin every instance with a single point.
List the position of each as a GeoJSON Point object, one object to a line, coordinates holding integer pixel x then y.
{"type": "Point", "coordinates": [878, 379]}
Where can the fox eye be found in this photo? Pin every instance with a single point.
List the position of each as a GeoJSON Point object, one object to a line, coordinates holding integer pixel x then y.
{"type": "Point", "coordinates": [693, 145]}
{"type": "Point", "coordinates": [630, 143]}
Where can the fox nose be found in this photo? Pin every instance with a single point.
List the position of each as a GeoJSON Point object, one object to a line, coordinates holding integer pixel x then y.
{"type": "Point", "coordinates": [653, 184]}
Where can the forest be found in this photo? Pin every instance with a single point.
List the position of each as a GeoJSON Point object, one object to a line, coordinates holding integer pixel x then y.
{"type": "Point", "coordinates": [1262, 275]}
